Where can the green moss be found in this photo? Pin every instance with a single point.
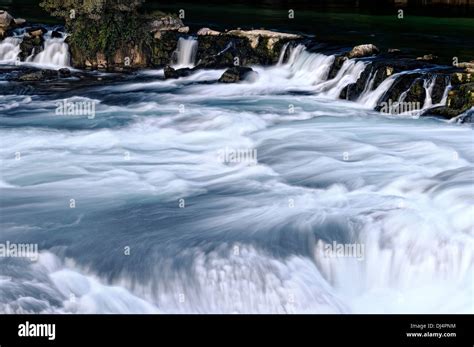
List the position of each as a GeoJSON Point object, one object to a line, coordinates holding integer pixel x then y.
{"type": "Point", "coordinates": [112, 32]}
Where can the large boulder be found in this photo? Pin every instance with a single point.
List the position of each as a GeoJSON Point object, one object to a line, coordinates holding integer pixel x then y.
{"type": "Point", "coordinates": [235, 74]}
{"type": "Point", "coordinates": [239, 47]}
{"type": "Point", "coordinates": [64, 73]}
{"type": "Point", "coordinates": [6, 21]}
{"type": "Point", "coordinates": [363, 51]}
{"type": "Point", "coordinates": [167, 23]}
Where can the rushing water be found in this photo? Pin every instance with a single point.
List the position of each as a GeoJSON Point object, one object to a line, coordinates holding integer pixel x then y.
{"type": "Point", "coordinates": [160, 223]}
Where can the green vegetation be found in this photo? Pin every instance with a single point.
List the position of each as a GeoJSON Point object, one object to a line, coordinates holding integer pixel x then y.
{"type": "Point", "coordinates": [100, 26]}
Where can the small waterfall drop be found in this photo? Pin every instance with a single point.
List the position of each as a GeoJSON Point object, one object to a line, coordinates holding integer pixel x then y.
{"type": "Point", "coordinates": [9, 49]}
{"type": "Point", "coordinates": [308, 68]}
{"type": "Point", "coordinates": [370, 98]}
{"type": "Point", "coordinates": [349, 73]}
{"type": "Point", "coordinates": [282, 54]}
{"type": "Point", "coordinates": [185, 54]}
{"type": "Point", "coordinates": [55, 52]}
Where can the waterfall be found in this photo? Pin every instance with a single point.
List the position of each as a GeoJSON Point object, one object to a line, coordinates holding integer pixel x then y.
{"type": "Point", "coordinates": [282, 54]}
{"type": "Point", "coordinates": [349, 73]}
{"type": "Point", "coordinates": [185, 53]}
{"type": "Point", "coordinates": [9, 49]}
{"type": "Point", "coordinates": [308, 68]}
{"type": "Point", "coordinates": [428, 84]}
{"type": "Point", "coordinates": [371, 98]}
{"type": "Point", "coordinates": [55, 52]}
{"type": "Point", "coordinates": [445, 94]}
{"type": "Point", "coordinates": [369, 85]}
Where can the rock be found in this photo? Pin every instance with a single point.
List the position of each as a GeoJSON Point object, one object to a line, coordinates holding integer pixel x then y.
{"type": "Point", "coordinates": [460, 78]}
{"type": "Point", "coordinates": [467, 117]}
{"type": "Point", "coordinates": [241, 48]}
{"type": "Point", "coordinates": [166, 23]}
{"type": "Point", "coordinates": [449, 113]}
{"type": "Point", "coordinates": [207, 31]}
{"type": "Point", "coordinates": [464, 65]}
{"type": "Point", "coordinates": [442, 111]}
{"type": "Point", "coordinates": [19, 22]}
{"type": "Point", "coordinates": [460, 101]}
{"type": "Point", "coordinates": [172, 73]}
{"type": "Point", "coordinates": [336, 66]}
{"type": "Point", "coordinates": [384, 67]}
{"type": "Point", "coordinates": [393, 50]}
{"type": "Point", "coordinates": [161, 50]}
{"type": "Point", "coordinates": [428, 57]}
{"type": "Point", "coordinates": [440, 84]}
{"type": "Point", "coordinates": [37, 76]}
{"type": "Point", "coordinates": [467, 66]}
{"type": "Point", "coordinates": [416, 93]}
{"type": "Point", "coordinates": [36, 33]}
{"type": "Point", "coordinates": [56, 35]}
{"type": "Point", "coordinates": [461, 98]}
{"type": "Point", "coordinates": [363, 51]}
{"type": "Point", "coordinates": [354, 90]}
{"type": "Point", "coordinates": [30, 45]}
{"type": "Point", "coordinates": [6, 21]}
{"type": "Point", "coordinates": [102, 63]}
{"type": "Point", "coordinates": [235, 74]}
{"type": "Point", "coordinates": [64, 73]}
{"type": "Point", "coordinates": [271, 37]}
{"type": "Point", "coordinates": [411, 83]}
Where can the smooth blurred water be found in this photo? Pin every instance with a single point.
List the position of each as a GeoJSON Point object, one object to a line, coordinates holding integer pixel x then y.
{"type": "Point", "coordinates": [208, 236]}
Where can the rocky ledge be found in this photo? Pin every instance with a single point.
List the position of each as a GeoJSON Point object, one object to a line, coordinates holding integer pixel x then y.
{"type": "Point", "coordinates": [153, 41]}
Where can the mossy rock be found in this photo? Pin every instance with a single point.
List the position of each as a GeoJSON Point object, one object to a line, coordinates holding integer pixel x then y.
{"type": "Point", "coordinates": [458, 78]}
{"type": "Point", "coordinates": [462, 97]}
{"type": "Point", "coordinates": [30, 45]}
{"type": "Point", "coordinates": [416, 93]}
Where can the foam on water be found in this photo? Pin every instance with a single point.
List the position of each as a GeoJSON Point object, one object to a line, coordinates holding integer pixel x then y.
{"type": "Point", "coordinates": [250, 237]}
